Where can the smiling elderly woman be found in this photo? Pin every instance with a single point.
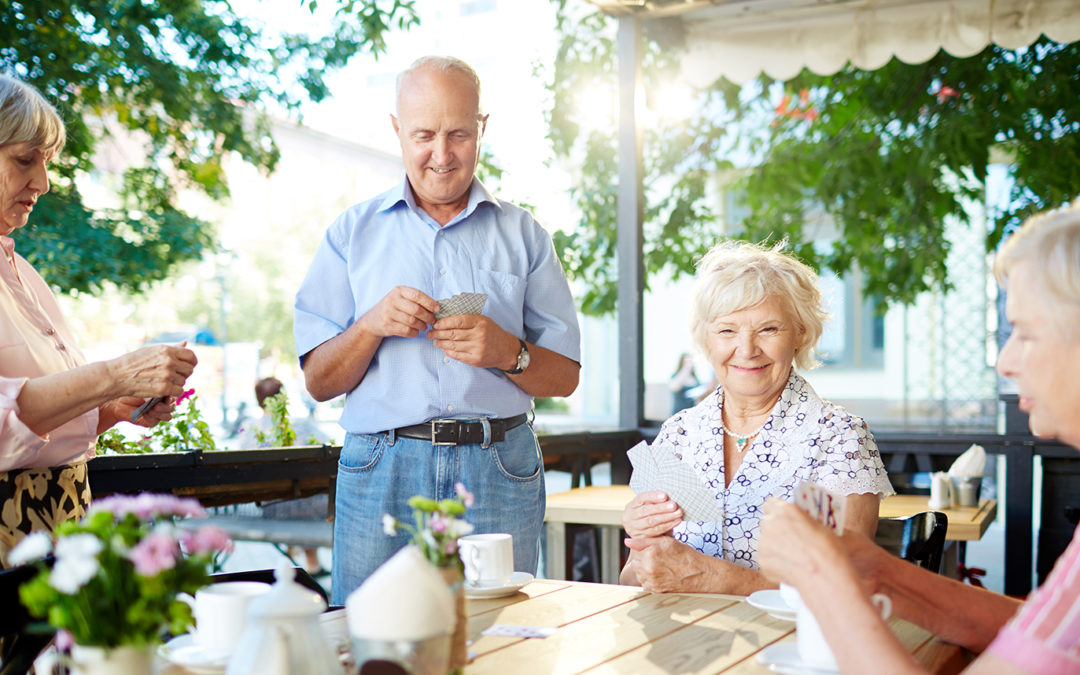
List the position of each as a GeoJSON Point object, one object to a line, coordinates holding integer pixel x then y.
{"type": "Point", "coordinates": [757, 313]}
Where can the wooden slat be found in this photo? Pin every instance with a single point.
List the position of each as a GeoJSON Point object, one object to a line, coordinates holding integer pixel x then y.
{"type": "Point", "coordinates": [965, 523]}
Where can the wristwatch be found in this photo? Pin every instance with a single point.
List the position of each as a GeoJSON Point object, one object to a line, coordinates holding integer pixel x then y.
{"type": "Point", "coordinates": [522, 360]}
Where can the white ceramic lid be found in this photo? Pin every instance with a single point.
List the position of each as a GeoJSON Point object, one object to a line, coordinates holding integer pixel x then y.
{"type": "Point", "coordinates": [286, 598]}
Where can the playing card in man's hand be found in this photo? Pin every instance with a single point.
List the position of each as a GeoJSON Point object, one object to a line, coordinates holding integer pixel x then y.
{"type": "Point", "coordinates": [823, 506]}
{"type": "Point", "coordinates": [462, 303]}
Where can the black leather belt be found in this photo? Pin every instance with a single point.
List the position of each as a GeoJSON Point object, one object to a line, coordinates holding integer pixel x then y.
{"type": "Point", "coordinates": [461, 432]}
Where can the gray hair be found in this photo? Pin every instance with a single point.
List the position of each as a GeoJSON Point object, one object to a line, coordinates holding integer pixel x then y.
{"type": "Point", "coordinates": [442, 64]}
{"type": "Point", "coordinates": [1052, 240]}
{"type": "Point", "coordinates": [738, 275]}
{"type": "Point", "coordinates": [26, 117]}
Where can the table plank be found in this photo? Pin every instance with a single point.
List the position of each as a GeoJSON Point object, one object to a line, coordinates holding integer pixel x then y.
{"type": "Point", "coordinates": [592, 640]}
{"type": "Point", "coordinates": [965, 523]}
{"type": "Point", "coordinates": [710, 645]}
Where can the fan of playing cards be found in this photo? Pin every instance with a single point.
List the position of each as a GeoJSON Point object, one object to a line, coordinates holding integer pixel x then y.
{"type": "Point", "coordinates": [462, 303]}
{"type": "Point", "coordinates": [657, 468]}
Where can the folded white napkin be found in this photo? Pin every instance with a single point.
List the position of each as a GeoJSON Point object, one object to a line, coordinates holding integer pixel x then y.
{"type": "Point", "coordinates": [404, 599]}
{"type": "Point", "coordinates": [969, 464]}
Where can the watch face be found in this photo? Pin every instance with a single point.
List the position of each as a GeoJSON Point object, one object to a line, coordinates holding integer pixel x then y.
{"type": "Point", "coordinates": [523, 359]}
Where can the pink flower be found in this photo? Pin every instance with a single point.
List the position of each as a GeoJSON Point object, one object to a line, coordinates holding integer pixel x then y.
{"type": "Point", "coordinates": [148, 505]}
{"type": "Point", "coordinates": [64, 640]}
{"type": "Point", "coordinates": [467, 498]}
{"type": "Point", "coordinates": [207, 539]}
{"type": "Point", "coordinates": [156, 552]}
{"type": "Point", "coordinates": [186, 395]}
{"type": "Point", "coordinates": [438, 523]}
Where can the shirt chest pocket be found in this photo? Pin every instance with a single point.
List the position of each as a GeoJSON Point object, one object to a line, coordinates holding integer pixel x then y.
{"type": "Point", "coordinates": [506, 298]}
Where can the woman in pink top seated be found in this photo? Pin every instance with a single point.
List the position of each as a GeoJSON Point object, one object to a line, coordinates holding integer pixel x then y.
{"type": "Point", "coordinates": [52, 403]}
{"type": "Point", "coordinates": [1040, 268]}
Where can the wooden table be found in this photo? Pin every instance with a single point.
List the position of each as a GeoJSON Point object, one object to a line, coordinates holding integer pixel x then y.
{"type": "Point", "coordinates": [621, 629]}
{"type": "Point", "coordinates": [603, 506]}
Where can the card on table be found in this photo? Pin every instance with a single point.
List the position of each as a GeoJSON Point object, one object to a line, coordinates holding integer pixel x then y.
{"type": "Point", "coordinates": [462, 303]}
{"type": "Point", "coordinates": [823, 506]}
{"type": "Point", "coordinates": [507, 630]}
{"type": "Point", "coordinates": [657, 468]}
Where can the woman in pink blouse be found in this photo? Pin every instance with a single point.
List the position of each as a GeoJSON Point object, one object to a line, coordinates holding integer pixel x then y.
{"type": "Point", "coordinates": [53, 404]}
{"type": "Point", "coordinates": [1040, 267]}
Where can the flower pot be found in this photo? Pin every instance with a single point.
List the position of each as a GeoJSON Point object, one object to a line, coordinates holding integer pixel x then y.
{"type": "Point", "coordinates": [123, 660]}
{"type": "Point", "coordinates": [458, 652]}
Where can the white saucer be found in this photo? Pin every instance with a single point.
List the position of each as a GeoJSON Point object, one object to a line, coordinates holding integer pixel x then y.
{"type": "Point", "coordinates": [517, 580]}
{"type": "Point", "coordinates": [182, 651]}
{"type": "Point", "coordinates": [771, 601]}
{"type": "Point", "coordinates": [783, 657]}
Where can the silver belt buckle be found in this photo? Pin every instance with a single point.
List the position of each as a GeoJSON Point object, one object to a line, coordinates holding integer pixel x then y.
{"type": "Point", "coordinates": [434, 437]}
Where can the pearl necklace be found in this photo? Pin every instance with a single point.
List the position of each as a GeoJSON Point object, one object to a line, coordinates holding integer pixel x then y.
{"type": "Point", "coordinates": [740, 439]}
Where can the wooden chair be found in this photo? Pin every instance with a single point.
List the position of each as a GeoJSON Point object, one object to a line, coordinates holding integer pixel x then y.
{"type": "Point", "coordinates": [919, 538]}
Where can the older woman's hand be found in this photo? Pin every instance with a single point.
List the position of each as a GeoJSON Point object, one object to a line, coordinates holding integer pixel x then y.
{"type": "Point", "coordinates": [794, 547]}
{"type": "Point", "coordinates": [120, 409]}
{"type": "Point", "coordinates": [663, 565]}
{"type": "Point", "coordinates": [650, 514]}
{"type": "Point", "coordinates": [158, 370]}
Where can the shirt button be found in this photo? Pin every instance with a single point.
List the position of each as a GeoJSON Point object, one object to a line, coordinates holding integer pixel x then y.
{"type": "Point", "coordinates": [442, 271]}
{"type": "Point", "coordinates": [61, 347]}
{"type": "Point", "coordinates": [450, 408]}
{"type": "Point", "coordinates": [446, 359]}
{"type": "Point", "coordinates": [49, 331]}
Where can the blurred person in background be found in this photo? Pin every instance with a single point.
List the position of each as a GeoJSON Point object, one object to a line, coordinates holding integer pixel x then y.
{"type": "Point", "coordinates": [53, 404]}
{"type": "Point", "coordinates": [682, 384]}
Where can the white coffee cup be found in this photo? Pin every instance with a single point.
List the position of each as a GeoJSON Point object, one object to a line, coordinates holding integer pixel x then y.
{"type": "Point", "coordinates": [220, 613]}
{"type": "Point", "coordinates": [814, 651]}
{"type": "Point", "coordinates": [488, 558]}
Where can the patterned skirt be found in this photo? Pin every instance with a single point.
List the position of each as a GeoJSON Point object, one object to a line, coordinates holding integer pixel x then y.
{"type": "Point", "coordinates": [39, 499]}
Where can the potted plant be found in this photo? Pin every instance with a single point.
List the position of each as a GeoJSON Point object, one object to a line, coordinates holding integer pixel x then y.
{"type": "Point", "coordinates": [435, 530]}
{"type": "Point", "coordinates": [111, 590]}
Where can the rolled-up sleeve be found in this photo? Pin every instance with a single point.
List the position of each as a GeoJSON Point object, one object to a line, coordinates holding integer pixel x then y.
{"type": "Point", "coordinates": [324, 304]}
{"type": "Point", "coordinates": [18, 444]}
{"type": "Point", "coordinates": [550, 312]}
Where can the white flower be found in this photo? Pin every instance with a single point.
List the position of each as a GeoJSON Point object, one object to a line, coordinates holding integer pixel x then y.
{"type": "Point", "coordinates": [34, 546]}
{"type": "Point", "coordinates": [459, 528]}
{"type": "Point", "coordinates": [76, 562]}
{"type": "Point", "coordinates": [389, 525]}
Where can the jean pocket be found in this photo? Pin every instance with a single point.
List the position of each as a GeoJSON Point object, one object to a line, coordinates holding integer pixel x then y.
{"type": "Point", "coordinates": [361, 452]}
{"type": "Point", "coordinates": [517, 462]}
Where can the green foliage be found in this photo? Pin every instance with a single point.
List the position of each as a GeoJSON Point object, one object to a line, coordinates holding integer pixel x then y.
{"type": "Point", "coordinates": [187, 430]}
{"type": "Point", "coordinates": [282, 435]}
{"type": "Point", "coordinates": [436, 526]}
{"type": "Point", "coordinates": [189, 80]}
{"type": "Point", "coordinates": [117, 572]}
{"type": "Point", "coordinates": [888, 155]}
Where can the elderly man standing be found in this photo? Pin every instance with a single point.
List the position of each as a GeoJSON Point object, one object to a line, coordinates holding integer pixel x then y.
{"type": "Point", "coordinates": [435, 401]}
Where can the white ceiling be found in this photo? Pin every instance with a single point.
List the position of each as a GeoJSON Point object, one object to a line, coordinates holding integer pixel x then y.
{"type": "Point", "coordinates": [741, 39]}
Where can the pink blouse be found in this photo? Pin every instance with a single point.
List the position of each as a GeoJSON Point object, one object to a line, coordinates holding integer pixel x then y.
{"type": "Point", "coordinates": [34, 341]}
{"type": "Point", "coordinates": [1044, 636]}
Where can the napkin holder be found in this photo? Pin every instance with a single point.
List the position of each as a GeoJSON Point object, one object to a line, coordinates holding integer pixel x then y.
{"type": "Point", "coordinates": [403, 614]}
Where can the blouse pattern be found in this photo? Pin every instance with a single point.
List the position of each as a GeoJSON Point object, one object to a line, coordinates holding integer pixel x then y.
{"type": "Point", "coordinates": [805, 438]}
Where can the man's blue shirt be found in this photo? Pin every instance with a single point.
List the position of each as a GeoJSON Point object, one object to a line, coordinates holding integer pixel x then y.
{"type": "Point", "coordinates": [491, 247]}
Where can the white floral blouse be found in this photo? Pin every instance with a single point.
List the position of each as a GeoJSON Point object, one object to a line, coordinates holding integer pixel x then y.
{"type": "Point", "coordinates": [805, 438]}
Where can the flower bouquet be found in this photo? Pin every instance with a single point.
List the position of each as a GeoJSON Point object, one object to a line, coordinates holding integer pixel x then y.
{"type": "Point", "coordinates": [435, 531]}
{"type": "Point", "coordinates": [116, 573]}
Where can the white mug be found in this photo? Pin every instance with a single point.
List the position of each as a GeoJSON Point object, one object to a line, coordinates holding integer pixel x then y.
{"type": "Point", "coordinates": [220, 613]}
{"type": "Point", "coordinates": [790, 595]}
{"type": "Point", "coordinates": [488, 558]}
{"type": "Point", "coordinates": [814, 651]}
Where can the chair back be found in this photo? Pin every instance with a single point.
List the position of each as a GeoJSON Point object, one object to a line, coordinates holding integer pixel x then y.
{"type": "Point", "coordinates": [919, 538]}
{"type": "Point", "coordinates": [267, 576]}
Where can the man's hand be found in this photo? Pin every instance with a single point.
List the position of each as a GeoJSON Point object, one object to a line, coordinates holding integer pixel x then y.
{"type": "Point", "coordinates": [475, 340]}
{"type": "Point", "coordinates": [403, 312]}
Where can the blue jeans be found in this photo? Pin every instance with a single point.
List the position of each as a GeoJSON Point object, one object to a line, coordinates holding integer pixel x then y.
{"type": "Point", "coordinates": [378, 473]}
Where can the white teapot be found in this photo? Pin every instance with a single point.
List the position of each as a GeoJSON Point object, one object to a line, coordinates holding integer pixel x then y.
{"type": "Point", "coordinates": [283, 635]}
